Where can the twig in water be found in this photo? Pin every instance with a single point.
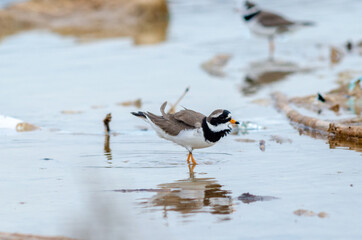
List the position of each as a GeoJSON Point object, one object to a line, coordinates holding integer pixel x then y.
{"type": "Point", "coordinates": [106, 122]}
{"type": "Point", "coordinates": [173, 107]}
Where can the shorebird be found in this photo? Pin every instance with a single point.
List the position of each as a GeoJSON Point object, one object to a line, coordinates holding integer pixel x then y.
{"type": "Point", "coordinates": [190, 129]}
{"type": "Point", "coordinates": [267, 24]}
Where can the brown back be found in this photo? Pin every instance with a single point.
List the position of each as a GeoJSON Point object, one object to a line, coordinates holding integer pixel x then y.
{"type": "Point", "coordinates": [173, 124]}
{"type": "Point", "coordinates": [269, 19]}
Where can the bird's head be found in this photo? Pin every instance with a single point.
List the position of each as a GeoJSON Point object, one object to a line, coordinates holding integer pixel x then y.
{"type": "Point", "coordinates": [249, 4]}
{"type": "Point", "coordinates": [249, 8]}
{"type": "Point", "coordinates": [219, 120]}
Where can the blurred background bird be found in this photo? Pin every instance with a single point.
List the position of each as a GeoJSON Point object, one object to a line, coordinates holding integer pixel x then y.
{"type": "Point", "coordinates": [267, 24]}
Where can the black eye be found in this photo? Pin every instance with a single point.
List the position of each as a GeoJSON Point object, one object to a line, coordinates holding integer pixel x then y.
{"type": "Point", "coordinates": [225, 114]}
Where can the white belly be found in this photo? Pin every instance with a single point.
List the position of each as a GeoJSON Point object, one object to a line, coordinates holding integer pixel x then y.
{"type": "Point", "coordinates": [189, 139]}
{"type": "Point", "coordinates": [259, 30]}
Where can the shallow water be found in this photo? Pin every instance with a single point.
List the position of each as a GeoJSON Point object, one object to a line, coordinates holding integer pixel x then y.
{"type": "Point", "coordinates": [61, 180]}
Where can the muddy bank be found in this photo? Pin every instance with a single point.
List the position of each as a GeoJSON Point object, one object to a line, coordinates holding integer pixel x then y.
{"type": "Point", "coordinates": [145, 21]}
{"type": "Point", "coordinates": [343, 100]}
{"type": "Point", "coordinates": [330, 127]}
{"type": "Point", "coordinates": [334, 142]}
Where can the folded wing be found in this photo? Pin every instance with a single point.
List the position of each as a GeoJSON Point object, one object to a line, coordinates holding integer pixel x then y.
{"type": "Point", "coordinates": [269, 19]}
{"type": "Point", "coordinates": [189, 117]}
{"type": "Point", "coordinates": [173, 124]}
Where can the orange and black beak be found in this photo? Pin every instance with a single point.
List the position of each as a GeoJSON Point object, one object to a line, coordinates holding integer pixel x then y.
{"type": "Point", "coordinates": [234, 122]}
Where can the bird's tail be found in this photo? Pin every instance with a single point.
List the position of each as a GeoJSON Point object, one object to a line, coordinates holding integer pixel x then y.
{"type": "Point", "coordinates": [139, 114]}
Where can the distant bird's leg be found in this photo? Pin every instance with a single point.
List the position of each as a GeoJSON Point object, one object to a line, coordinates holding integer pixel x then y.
{"type": "Point", "coordinates": [188, 158]}
{"type": "Point", "coordinates": [193, 159]}
{"type": "Point", "coordinates": [271, 48]}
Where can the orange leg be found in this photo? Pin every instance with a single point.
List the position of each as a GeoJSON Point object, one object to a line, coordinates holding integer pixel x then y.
{"type": "Point", "coordinates": [188, 158]}
{"type": "Point", "coordinates": [193, 159]}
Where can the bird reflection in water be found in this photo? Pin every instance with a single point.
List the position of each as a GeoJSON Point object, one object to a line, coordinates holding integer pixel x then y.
{"type": "Point", "coordinates": [266, 72]}
{"type": "Point", "coordinates": [193, 195]}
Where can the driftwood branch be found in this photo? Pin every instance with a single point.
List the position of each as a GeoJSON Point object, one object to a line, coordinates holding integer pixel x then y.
{"type": "Point", "coordinates": [331, 128]}
{"type": "Point", "coordinates": [19, 236]}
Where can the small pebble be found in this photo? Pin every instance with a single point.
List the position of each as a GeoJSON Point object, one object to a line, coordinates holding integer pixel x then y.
{"type": "Point", "coordinates": [262, 145]}
{"type": "Point", "coordinates": [322, 214]}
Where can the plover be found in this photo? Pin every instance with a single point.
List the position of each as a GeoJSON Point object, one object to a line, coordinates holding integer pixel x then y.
{"type": "Point", "coordinates": [190, 129]}
{"type": "Point", "coordinates": [267, 24]}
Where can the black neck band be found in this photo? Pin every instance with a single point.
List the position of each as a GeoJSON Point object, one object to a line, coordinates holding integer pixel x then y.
{"type": "Point", "coordinates": [248, 17]}
{"type": "Point", "coordinates": [210, 135]}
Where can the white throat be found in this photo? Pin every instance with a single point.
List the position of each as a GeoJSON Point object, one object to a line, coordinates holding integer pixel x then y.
{"type": "Point", "coordinates": [219, 127]}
